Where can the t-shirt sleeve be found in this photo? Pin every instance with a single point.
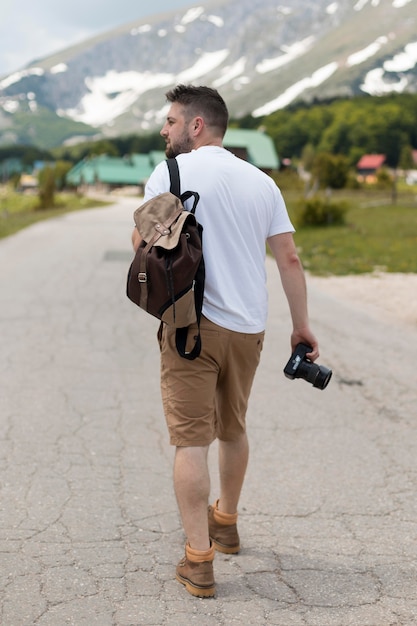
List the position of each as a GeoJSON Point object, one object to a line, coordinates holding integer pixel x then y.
{"type": "Point", "coordinates": [158, 182]}
{"type": "Point", "coordinates": [280, 220]}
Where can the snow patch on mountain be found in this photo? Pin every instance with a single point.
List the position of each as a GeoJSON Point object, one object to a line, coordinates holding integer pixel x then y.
{"type": "Point", "coordinates": [192, 15]}
{"type": "Point", "coordinates": [231, 72]}
{"type": "Point", "coordinates": [290, 53]}
{"type": "Point", "coordinates": [378, 82]}
{"type": "Point", "coordinates": [362, 55]}
{"type": "Point", "coordinates": [404, 60]}
{"type": "Point", "coordinates": [332, 8]}
{"type": "Point", "coordinates": [144, 28]}
{"type": "Point", "coordinates": [375, 85]}
{"type": "Point", "coordinates": [112, 95]}
{"type": "Point", "coordinates": [289, 95]}
{"type": "Point", "coordinates": [59, 68]}
{"type": "Point", "coordinates": [18, 76]}
{"type": "Point", "coordinates": [208, 62]}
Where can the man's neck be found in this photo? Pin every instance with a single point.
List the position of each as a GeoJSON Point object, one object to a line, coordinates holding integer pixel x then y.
{"type": "Point", "coordinates": [213, 141]}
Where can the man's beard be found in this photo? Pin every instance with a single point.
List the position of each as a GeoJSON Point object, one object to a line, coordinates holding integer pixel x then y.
{"type": "Point", "coordinates": [184, 144]}
{"type": "Point", "coordinates": [169, 152]}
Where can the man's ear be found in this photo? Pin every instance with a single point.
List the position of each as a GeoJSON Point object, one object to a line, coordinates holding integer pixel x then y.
{"type": "Point", "coordinates": [198, 124]}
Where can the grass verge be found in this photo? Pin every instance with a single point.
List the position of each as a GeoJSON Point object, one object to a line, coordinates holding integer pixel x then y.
{"type": "Point", "coordinates": [377, 236]}
{"type": "Point", "coordinates": [17, 211]}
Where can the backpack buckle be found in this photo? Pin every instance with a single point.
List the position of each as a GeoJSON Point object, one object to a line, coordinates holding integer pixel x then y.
{"type": "Point", "coordinates": [142, 277]}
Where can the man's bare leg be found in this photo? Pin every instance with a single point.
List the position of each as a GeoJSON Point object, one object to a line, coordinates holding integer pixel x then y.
{"type": "Point", "coordinates": [233, 461]}
{"type": "Point", "coordinates": [192, 489]}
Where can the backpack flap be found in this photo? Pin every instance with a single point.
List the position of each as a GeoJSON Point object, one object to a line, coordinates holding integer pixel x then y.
{"type": "Point", "coordinates": [165, 216]}
{"type": "Point", "coordinates": [158, 219]}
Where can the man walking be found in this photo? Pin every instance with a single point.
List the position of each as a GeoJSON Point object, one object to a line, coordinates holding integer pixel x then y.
{"type": "Point", "coordinates": [240, 210]}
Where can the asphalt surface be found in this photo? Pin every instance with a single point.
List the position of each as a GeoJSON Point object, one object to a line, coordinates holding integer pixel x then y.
{"type": "Point", "coordinates": [89, 529]}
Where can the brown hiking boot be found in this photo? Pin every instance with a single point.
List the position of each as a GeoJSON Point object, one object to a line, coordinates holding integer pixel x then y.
{"type": "Point", "coordinates": [195, 571]}
{"type": "Point", "coordinates": [223, 530]}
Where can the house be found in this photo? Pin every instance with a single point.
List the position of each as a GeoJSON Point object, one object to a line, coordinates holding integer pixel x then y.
{"type": "Point", "coordinates": [28, 183]}
{"type": "Point", "coordinates": [156, 156]}
{"type": "Point", "coordinates": [9, 167]}
{"type": "Point", "coordinates": [253, 146]}
{"type": "Point", "coordinates": [108, 173]}
{"type": "Point", "coordinates": [368, 165]}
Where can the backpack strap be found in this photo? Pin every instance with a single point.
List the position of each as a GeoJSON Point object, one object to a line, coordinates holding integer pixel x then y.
{"type": "Point", "coordinates": [182, 333]}
{"type": "Point", "coordinates": [174, 175]}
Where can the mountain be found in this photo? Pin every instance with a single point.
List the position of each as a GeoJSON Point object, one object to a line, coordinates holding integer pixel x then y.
{"type": "Point", "coordinates": [261, 55]}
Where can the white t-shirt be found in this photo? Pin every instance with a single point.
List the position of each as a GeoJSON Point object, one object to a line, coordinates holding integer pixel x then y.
{"type": "Point", "coordinates": [239, 208]}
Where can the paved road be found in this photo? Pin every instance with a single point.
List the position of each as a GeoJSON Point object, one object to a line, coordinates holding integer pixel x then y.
{"type": "Point", "coordinates": [89, 531]}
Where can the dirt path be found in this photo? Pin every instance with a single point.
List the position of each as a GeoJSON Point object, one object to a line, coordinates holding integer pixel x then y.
{"type": "Point", "coordinates": [389, 297]}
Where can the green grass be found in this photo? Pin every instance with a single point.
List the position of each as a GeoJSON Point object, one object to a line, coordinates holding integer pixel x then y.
{"type": "Point", "coordinates": [378, 235]}
{"type": "Point", "coordinates": [17, 211]}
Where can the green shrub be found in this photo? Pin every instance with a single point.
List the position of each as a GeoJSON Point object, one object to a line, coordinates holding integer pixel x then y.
{"type": "Point", "coordinates": [384, 179]}
{"type": "Point", "coordinates": [330, 170]}
{"type": "Point", "coordinates": [318, 211]}
{"type": "Point", "coordinates": [288, 179]}
{"type": "Point", "coordinates": [46, 188]}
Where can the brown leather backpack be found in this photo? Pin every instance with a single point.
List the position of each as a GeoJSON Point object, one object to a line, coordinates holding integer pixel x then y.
{"type": "Point", "coordinates": [166, 277]}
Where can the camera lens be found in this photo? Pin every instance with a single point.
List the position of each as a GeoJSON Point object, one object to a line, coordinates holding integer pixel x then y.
{"type": "Point", "coordinates": [318, 375]}
{"type": "Point", "coordinates": [322, 377]}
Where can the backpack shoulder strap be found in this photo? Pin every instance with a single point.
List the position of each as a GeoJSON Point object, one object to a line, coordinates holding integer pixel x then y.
{"type": "Point", "coordinates": [174, 175]}
{"type": "Point", "coordinates": [182, 333]}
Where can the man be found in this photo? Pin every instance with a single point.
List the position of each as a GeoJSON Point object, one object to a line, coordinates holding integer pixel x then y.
{"type": "Point", "coordinates": [240, 209]}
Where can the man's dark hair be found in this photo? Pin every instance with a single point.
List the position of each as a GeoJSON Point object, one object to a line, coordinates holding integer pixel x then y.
{"type": "Point", "coordinates": [202, 101]}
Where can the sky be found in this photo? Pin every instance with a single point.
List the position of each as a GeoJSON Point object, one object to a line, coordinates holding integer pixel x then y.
{"type": "Point", "coordinates": [31, 29]}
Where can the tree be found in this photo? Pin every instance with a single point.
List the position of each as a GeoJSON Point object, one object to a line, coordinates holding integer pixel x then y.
{"type": "Point", "coordinates": [61, 170]}
{"type": "Point", "coordinates": [307, 157]}
{"type": "Point", "coordinates": [406, 158]}
{"type": "Point", "coordinates": [331, 170]}
{"type": "Point", "coordinates": [104, 146]}
{"type": "Point", "coordinates": [46, 192]}
{"type": "Point", "coordinates": [349, 127]}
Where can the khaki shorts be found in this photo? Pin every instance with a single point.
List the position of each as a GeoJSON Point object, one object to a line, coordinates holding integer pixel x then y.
{"type": "Point", "coordinates": [207, 398]}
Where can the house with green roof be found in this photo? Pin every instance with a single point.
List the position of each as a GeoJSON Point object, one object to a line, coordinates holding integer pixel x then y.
{"type": "Point", "coordinates": [253, 146]}
{"type": "Point", "coordinates": [108, 172]}
{"type": "Point", "coordinates": [111, 172]}
{"type": "Point", "coordinates": [10, 166]}
{"type": "Point", "coordinates": [156, 156]}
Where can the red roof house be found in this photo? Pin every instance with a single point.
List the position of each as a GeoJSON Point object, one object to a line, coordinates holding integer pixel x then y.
{"type": "Point", "coordinates": [368, 165]}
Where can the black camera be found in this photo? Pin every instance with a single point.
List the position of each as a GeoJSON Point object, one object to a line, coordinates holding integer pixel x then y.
{"type": "Point", "coordinates": [300, 367]}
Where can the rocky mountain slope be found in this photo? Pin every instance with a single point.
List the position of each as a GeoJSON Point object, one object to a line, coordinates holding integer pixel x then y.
{"type": "Point", "coordinates": [261, 55]}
